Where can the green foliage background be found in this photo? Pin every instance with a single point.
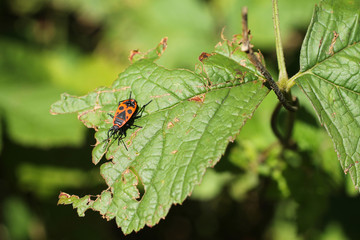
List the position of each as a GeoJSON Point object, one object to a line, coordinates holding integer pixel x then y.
{"type": "Point", "coordinates": [52, 46]}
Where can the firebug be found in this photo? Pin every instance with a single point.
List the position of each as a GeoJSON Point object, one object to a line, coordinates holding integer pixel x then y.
{"type": "Point", "coordinates": [126, 113]}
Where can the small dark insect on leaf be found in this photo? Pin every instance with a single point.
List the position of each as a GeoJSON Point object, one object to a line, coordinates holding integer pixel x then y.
{"type": "Point", "coordinates": [126, 114]}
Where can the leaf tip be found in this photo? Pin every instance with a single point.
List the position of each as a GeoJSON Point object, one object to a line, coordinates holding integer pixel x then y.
{"type": "Point", "coordinates": [154, 54]}
{"type": "Point", "coordinates": [64, 198]}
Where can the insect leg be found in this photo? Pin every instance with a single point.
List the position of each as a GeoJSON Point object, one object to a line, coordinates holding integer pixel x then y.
{"type": "Point", "coordinates": [139, 114]}
{"type": "Point", "coordinates": [124, 144]}
{"type": "Point", "coordinates": [108, 137]}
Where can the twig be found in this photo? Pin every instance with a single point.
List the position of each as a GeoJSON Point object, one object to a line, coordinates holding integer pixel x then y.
{"type": "Point", "coordinates": [285, 140]}
{"type": "Point", "coordinates": [246, 47]}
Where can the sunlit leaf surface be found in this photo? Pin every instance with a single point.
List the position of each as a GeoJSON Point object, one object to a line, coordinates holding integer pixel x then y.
{"type": "Point", "coordinates": [186, 128]}
{"type": "Point", "coordinates": [330, 75]}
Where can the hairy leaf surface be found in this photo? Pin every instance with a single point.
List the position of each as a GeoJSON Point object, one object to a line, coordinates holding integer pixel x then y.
{"type": "Point", "coordinates": [186, 128]}
{"type": "Point", "coordinates": [330, 75]}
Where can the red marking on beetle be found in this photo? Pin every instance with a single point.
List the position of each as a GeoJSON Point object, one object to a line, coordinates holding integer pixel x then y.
{"type": "Point", "coordinates": [125, 115]}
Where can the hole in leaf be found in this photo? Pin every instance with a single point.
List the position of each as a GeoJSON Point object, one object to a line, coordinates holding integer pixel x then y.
{"type": "Point", "coordinates": [140, 186]}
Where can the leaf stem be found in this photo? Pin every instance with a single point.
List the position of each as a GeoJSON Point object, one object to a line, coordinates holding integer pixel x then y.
{"type": "Point", "coordinates": [284, 139]}
{"type": "Point", "coordinates": [283, 77]}
{"type": "Point", "coordinates": [291, 81]}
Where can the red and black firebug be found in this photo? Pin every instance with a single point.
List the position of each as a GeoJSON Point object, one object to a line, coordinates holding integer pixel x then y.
{"type": "Point", "coordinates": [126, 113]}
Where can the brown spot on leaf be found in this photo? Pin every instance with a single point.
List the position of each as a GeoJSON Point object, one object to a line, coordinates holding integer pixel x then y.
{"type": "Point", "coordinates": [175, 151]}
{"type": "Point", "coordinates": [333, 41]}
{"type": "Point", "coordinates": [133, 53]}
{"type": "Point", "coordinates": [163, 44]}
{"type": "Point", "coordinates": [170, 125]}
{"type": "Point", "coordinates": [64, 195]}
{"type": "Point", "coordinates": [128, 143]}
{"type": "Point", "coordinates": [160, 96]}
{"type": "Point", "coordinates": [240, 75]}
{"type": "Point", "coordinates": [346, 170]}
{"type": "Point", "coordinates": [203, 56]}
{"type": "Point", "coordinates": [243, 63]}
{"type": "Point", "coordinates": [232, 138]}
{"type": "Point", "coordinates": [199, 98]}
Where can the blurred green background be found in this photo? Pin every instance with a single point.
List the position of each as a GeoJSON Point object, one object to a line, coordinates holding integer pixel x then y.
{"type": "Point", "coordinates": [255, 192]}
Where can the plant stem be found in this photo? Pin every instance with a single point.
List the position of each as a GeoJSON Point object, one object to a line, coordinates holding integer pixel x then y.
{"type": "Point", "coordinates": [283, 77]}
{"type": "Point", "coordinates": [284, 139]}
{"type": "Point", "coordinates": [284, 97]}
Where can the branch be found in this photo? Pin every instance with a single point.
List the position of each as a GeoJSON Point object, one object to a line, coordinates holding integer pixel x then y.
{"type": "Point", "coordinates": [246, 47]}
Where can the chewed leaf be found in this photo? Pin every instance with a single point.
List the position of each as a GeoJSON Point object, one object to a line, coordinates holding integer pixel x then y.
{"type": "Point", "coordinates": [185, 129]}
{"type": "Point", "coordinates": [153, 54]}
{"type": "Point", "coordinates": [330, 75]}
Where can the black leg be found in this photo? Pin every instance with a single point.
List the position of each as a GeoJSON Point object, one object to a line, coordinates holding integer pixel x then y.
{"type": "Point", "coordinates": [124, 145]}
{"type": "Point", "coordinates": [140, 112]}
{"type": "Point", "coordinates": [108, 137]}
{"type": "Point", "coordinates": [108, 134]}
{"type": "Point", "coordinates": [147, 103]}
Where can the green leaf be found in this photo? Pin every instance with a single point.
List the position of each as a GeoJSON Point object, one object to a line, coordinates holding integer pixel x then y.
{"type": "Point", "coordinates": [185, 129]}
{"type": "Point", "coordinates": [329, 76]}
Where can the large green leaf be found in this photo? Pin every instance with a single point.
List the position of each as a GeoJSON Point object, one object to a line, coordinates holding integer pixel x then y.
{"type": "Point", "coordinates": [330, 74]}
{"type": "Point", "coordinates": [186, 129]}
